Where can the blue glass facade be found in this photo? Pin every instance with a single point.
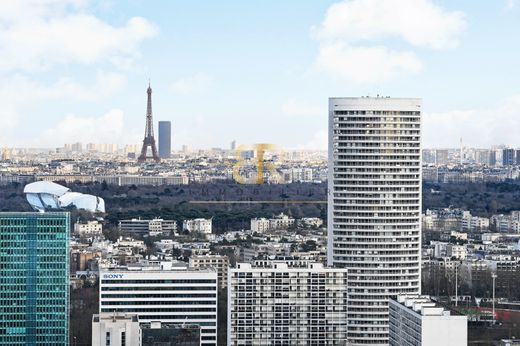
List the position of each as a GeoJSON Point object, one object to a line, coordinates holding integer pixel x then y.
{"type": "Point", "coordinates": [34, 278]}
{"type": "Point", "coordinates": [165, 139]}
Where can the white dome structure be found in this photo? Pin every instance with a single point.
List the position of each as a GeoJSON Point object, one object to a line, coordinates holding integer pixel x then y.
{"type": "Point", "coordinates": [43, 195]}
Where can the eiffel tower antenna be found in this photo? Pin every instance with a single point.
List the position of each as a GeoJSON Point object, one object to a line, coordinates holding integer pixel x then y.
{"type": "Point", "coordinates": [149, 140]}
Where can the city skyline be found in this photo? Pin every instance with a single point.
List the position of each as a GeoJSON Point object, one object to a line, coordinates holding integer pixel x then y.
{"type": "Point", "coordinates": [286, 66]}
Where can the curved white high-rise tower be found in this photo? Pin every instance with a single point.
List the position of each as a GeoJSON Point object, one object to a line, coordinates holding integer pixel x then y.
{"type": "Point", "coordinates": [375, 206]}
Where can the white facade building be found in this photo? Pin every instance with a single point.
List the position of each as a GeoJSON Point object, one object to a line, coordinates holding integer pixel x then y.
{"type": "Point", "coordinates": [152, 227]}
{"type": "Point", "coordinates": [374, 214]}
{"type": "Point", "coordinates": [287, 303]}
{"type": "Point", "coordinates": [118, 330]}
{"type": "Point", "coordinates": [198, 225]}
{"type": "Point", "coordinates": [417, 321]}
{"type": "Point", "coordinates": [164, 294]}
{"type": "Point", "coordinates": [260, 225]}
{"type": "Point", "coordinates": [89, 229]}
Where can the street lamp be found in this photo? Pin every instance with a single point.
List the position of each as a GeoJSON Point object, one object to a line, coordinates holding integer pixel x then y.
{"type": "Point", "coordinates": [494, 276]}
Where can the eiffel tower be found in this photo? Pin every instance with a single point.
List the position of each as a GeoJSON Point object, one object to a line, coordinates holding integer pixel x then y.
{"type": "Point", "coordinates": [149, 140]}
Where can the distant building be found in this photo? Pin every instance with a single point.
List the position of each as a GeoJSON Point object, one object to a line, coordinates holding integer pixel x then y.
{"type": "Point", "coordinates": [260, 225]}
{"type": "Point", "coordinates": [152, 227]}
{"type": "Point", "coordinates": [416, 320]}
{"type": "Point", "coordinates": [34, 278]}
{"type": "Point", "coordinates": [117, 329]}
{"type": "Point", "coordinates": [508, 157]}
{"type": "Point", "coordinates": [167, 293]}
{"type": "Point", "coordinates": [198, 225]}
{"type": "Point", "coordinates": [441, 157]}
{"type": "Point", "coordinates": [281, 221]}
{"type": "Point", "coordinates": [234, 145]}
{"type": "Point", "coordinates": [165, 139]}
{"type": "Point", "coordinates": [89, 229]}
{"type": "Point", "coordinates": [219, 262]}
{"type": "Point", "coordinates": [287, 303]}
{"type": "Point", "coordinates": [170, 334]}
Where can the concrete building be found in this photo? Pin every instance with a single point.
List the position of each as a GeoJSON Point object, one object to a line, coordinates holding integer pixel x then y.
{"type": "Point", "coordinates": [417, 321]}
{"type": "Point", "coordinates": [281, 221]}
{"type": "Point", "coordinates": [218, 262]}
{"type": "Point", "coordinates": [260, 225]}
{"type": "Point", "coordinates": [165, 139]}
{"type": "Point", "coordinates": [150, 227]}
{"type": "Point", "coordinates": [198, 225]}
{"type": "Point", "coordinates": [287, 303]}
{"type": "Point", "coordinates": [117, 330]}
{"type": "Point", "coordinates": [170, 334]}
{"type": "Point", "coordinates": [374, 206]}
{"type": "Point", "coordinates": [34, 278]}
{"type": "Point", "coordinates": [89, 229]}
{"type": "Point", "coordinates": [167, 293]}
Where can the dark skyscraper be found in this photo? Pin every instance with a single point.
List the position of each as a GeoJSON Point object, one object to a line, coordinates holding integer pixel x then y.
{"type": "Point", "coordinates": [165, 139]}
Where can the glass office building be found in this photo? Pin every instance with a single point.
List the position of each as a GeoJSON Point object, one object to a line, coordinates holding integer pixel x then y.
{"type": "Point", "coordinates": [34, 278]}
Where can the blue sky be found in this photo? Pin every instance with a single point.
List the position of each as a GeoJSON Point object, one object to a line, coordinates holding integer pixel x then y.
{"type": "Point", "coordinates": [254, 71]}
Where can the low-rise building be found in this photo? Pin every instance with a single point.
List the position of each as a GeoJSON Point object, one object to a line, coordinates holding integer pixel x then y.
{"type": "Point", "coordinates": [89, 229]}
{"type": "Point", "coordinates": [418, 321]}
{"type": "Point", "coordinates": [116, 329]}
{"type": "Point", "coordinates": [152, 227]}
{"type": "Point", "coordinates": [198, 225]}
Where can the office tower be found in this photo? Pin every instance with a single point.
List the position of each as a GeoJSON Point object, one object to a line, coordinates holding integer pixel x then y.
{"type": "Point", "coordinates": [34, 278]}
{"type": "Point", "coordinates": [508, 157]}
{"type": "Point", "coordinates": [117, 330]}
{"type": "Point", "coordinates": [442, 157]}
{"type": "Point", "coordinates": [233, 145]}
{"type": "Point", "coordinates": [416, 320]}
{"type": "Point", "coordinates": [374, 206]}
{"type": "Point", "coordinates": [165, 139]}
{"type": "Point", "coordinates": [287, 303]}
{"type": "Point", "coordinates": [169, 293]}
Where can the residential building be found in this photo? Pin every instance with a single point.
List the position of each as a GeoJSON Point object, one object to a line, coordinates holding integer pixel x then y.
{"type": "Point", "coordinates": [88, 229]}
{"type": "Point", "coordinates": [167, 293]}
{"type": "Point", "coordinates": [260, 225]}
{"type": "Point", "coordinates": [287, 303]}
{"type": "Point", "coordinates": [152, 227]}
{"type": "Point", "coordinates": [281, 221]}
{"type": "Point", "coordinates": [417, 321]}
{"type": "Point", "coordinates": [198, 225]}
{"type": "Point", "coordinates": [219, 262]}
{"type": "Point", "coordinates": [116, 329]}
{"type": "Point", "coordinates": [165, 139]}
{"type": "Point", "coordinates": [374, 206]}
{"type": "Point", "coordinates": [34, 278]}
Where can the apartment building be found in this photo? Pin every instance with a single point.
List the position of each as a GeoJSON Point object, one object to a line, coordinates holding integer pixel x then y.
{"type": "Point", "coordinates": [287, 303]}
{"type": "Point", "coordinates": [374, 206]}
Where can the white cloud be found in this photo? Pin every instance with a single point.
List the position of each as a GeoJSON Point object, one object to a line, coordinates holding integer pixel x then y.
{"type": "Point", "coordinates": [353, 34]}
{"type": "Point", "coordinates": [193, 84]}
{"type": "Point", "coordinates": [108, 128]}
{"type": "Point", "coordinates": [298, 108]}
{"type": "Point", "coordinates": [36, 35]}
{"type": "Point", "coordinates": [477, 128]}
{"type": "Point", "coordinates": [366, 64]}
{"type": "Point", "coordinates": [510, 4]}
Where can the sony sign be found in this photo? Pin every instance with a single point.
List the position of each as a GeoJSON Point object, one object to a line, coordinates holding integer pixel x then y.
{"type": "Point", "coordinates": [112, 276]}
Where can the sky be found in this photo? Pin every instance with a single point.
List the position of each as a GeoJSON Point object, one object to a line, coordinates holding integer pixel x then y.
{"type": "Point", "coordinates": [256, 71]}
